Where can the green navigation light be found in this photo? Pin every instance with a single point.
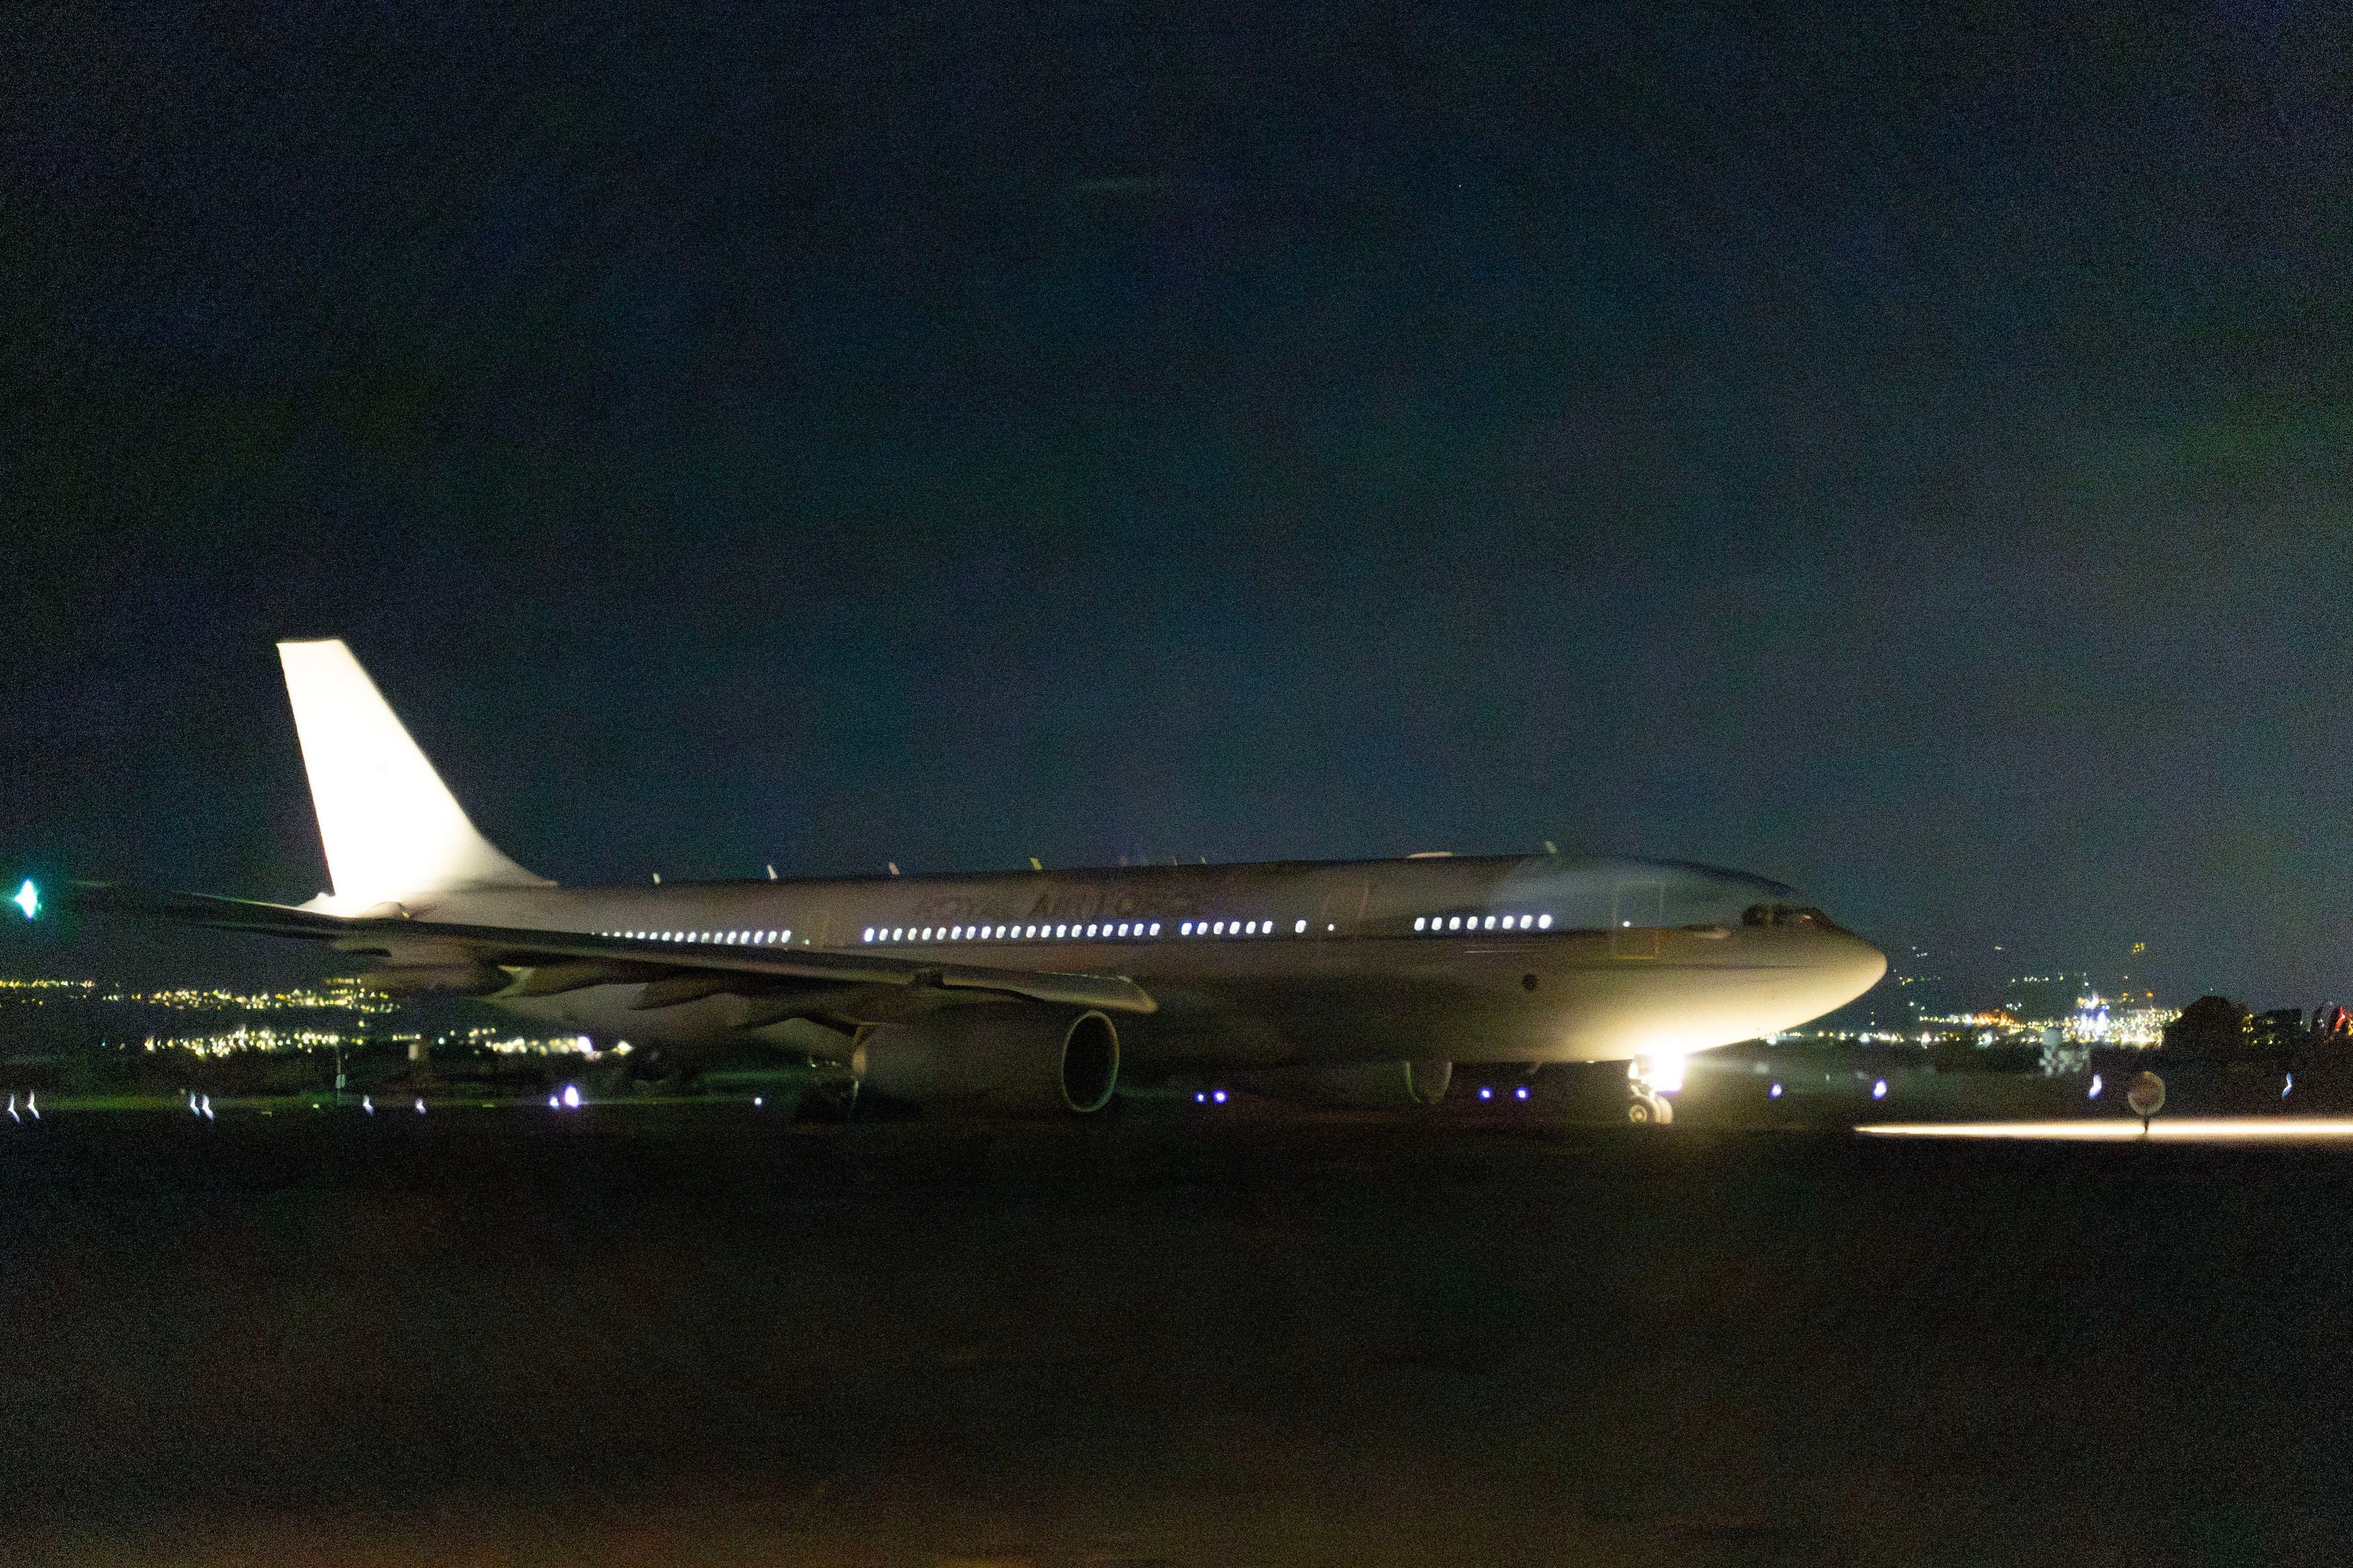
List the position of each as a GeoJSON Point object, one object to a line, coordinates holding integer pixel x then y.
{"type": "Point", "coordinates": [28, 898]}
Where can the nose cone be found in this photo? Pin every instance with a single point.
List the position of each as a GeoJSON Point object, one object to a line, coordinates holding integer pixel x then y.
{"type": "Point", "coordinates": [1852, 967]}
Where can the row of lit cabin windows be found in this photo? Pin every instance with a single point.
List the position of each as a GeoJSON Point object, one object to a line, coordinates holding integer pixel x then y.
{"type": "Point", "coordinates": [720, 938]}
{"type": "Point", "coordinates": [1098, 931]}
{"type": "Point", "coordinates": [1428, 924]}
{"type": "Point", "coordinates": [1438, 923]}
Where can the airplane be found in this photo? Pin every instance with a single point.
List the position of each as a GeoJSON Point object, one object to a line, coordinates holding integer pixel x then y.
{"type": "Point", "coordinates": [1356, 982]}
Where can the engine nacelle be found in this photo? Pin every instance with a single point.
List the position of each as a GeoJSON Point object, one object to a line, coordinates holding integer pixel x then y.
{"type": "Point", "coordinates": [1013, 1057]}
{"type": "Point", "coordinates": [1365, 1085]}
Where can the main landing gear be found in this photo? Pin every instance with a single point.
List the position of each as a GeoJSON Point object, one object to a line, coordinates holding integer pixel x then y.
{"type": "Point", "coordinates": [1647, 1104]}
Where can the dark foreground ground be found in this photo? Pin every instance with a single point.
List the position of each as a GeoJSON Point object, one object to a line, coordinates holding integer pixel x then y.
{"type": "Point", "coordinates": [661, 1335]}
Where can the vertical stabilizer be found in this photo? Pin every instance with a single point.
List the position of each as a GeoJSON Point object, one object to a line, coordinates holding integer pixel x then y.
{"type": "Point", "coordinates": [391, 827]}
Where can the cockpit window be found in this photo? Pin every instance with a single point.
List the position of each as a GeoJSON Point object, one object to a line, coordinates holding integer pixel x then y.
{"type": "Point", "coordinates": [1785, 915]}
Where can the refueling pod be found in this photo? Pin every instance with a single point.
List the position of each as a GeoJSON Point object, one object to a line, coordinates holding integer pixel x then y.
{"type": "Point", "coordinates": [1019, 1058]}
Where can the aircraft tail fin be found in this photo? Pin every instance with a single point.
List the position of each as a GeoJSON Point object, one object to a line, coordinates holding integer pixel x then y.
{"type": "Point", "coordinates": [390, 826]}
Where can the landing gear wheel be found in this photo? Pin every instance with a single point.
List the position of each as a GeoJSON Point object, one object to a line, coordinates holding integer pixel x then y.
{"type": "Point", "coordinates": [833, 1099]}
{"type": "Point", "coordinates": [1649, 1109]}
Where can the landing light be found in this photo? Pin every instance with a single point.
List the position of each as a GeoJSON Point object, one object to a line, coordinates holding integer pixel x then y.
{"type": "Point", "coordinates": [1879, 1088]}
{"type": "Point", "coordinates": [1662, 1071]}
{"type": "Point", "coordinates": [570, 1098]}
{"type": "Point", "coordinates": [28, 898]}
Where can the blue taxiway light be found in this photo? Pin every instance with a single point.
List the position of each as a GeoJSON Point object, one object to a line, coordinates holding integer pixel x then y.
{"type": "Point", "coordinates": [28, 898]}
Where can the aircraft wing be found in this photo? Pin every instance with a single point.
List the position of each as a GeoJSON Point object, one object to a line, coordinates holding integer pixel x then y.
{"type": "Point", "coordinates": [563, 960]}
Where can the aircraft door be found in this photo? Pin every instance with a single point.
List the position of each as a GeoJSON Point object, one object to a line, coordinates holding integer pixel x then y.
{"type": "Point", "coordinates": [1343, 909]}
{"type": "Point", "coordinates": [1637, 910]}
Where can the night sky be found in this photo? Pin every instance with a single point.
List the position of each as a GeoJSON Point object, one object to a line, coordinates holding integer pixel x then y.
{"type": "Point", "coordinates": [1904, 456]}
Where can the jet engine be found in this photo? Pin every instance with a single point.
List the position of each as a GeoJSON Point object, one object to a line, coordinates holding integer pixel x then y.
{"type": "Point", "coordinates": [1005, 1057]}
{"type": "Point", "coordinates": [1363, 1086]}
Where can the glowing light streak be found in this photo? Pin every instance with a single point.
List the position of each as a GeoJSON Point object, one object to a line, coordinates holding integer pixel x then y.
{"type": "Point", "coordinates": [2184, 1130]}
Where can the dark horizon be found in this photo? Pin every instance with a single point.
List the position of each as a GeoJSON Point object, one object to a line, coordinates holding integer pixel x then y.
{"type": "Point", "coordinates": [1904, 459]}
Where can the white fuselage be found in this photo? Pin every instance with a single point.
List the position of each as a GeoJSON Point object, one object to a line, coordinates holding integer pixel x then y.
{"type": "Point", "coordinates": [1538, 959]}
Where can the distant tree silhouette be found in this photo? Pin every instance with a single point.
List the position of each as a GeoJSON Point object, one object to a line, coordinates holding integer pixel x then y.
{"type": "Point", "coordinates": [2210, 1026]}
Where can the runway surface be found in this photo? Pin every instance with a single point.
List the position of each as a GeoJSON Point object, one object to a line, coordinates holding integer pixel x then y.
{"type": "Point", "coordinates": [630, 1336]}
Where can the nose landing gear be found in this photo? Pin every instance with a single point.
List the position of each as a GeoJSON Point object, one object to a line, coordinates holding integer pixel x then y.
{"type": "Point", "coordinates": [1647, 1104]}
